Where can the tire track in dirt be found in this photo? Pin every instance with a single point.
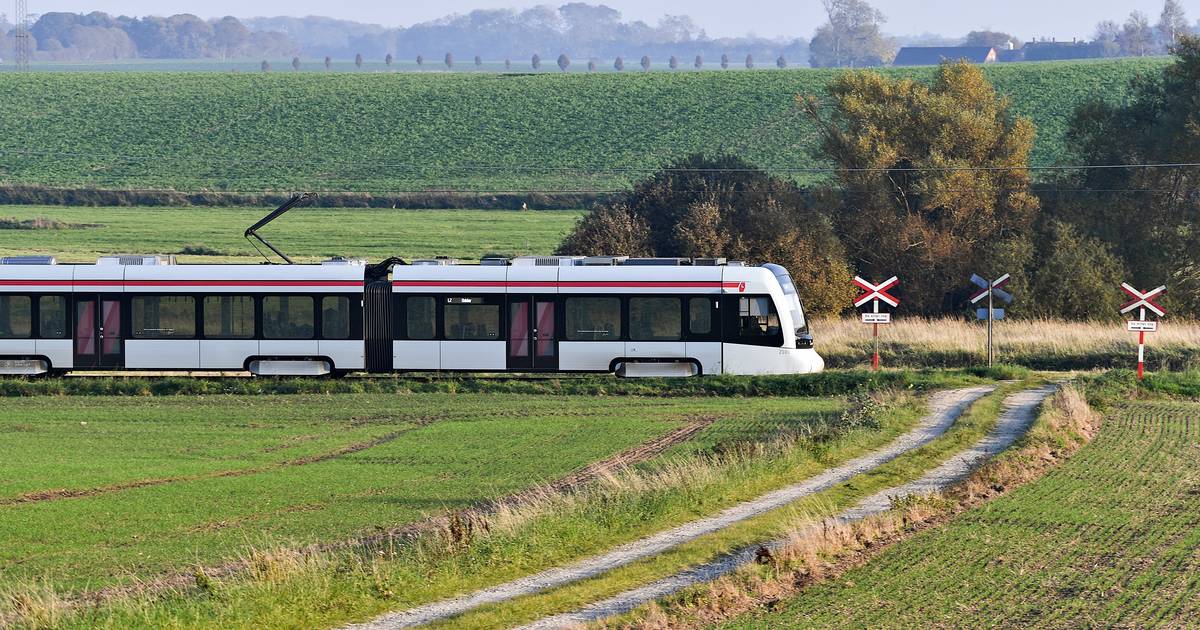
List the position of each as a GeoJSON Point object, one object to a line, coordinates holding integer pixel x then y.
{"type": "Point", "coordinates": [1019, 414]}
{"type": "Point", "coordinates": [945, 407]}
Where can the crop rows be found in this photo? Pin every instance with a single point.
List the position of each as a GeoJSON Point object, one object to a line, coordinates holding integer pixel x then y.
{"type": "Point", "coordinates": [436, 132]}
{"type": "Point", "coordinates": [1112, 538]}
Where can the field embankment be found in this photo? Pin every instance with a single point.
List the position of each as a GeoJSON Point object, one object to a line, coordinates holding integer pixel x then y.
{"type": "Point", "coordinates": [1032, 343]}
{"type": "Point", "coordinates": [442, 134]}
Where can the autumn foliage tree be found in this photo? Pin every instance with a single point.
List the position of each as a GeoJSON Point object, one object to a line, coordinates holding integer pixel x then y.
{"type": "Point", "coordinates": [934, 183]}
{"type": "Point", "coordinates": [722, 207]}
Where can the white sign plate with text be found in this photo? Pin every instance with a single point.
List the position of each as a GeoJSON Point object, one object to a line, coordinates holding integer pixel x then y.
{"type": "Point", "coordinates": [1139, 326]}
{"type": "Point", "coordinates": [877, 318]}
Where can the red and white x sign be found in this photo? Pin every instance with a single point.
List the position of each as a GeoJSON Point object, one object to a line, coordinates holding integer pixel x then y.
{"type": "Point", "coordinates": [876, 292]}
{"type": "Point", "coordinates": [1143, 300]}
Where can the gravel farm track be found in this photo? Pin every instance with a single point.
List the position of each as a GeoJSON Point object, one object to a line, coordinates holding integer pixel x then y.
{"type": "Point", "coordinates": [944, 409]}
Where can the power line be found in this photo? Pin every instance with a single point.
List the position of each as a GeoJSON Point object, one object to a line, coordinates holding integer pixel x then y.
{"type": "Point", "coordinates": [518, 167]}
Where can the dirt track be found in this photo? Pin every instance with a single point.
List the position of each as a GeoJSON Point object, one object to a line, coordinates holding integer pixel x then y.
{"type": "Point", "coordinates": [945, 408]}
{"type": "Point", "coordinates": [1020, 412]}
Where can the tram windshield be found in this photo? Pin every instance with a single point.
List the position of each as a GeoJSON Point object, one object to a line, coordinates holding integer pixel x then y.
{"type": "Point", "coordinates": [791, 297]}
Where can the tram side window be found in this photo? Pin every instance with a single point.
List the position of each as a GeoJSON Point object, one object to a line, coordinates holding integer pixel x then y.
{"type": "Point", "coordinates": [655, 319]}
{"type": "Point", "coordinates": [471, 319]}
{"type": "Point", "coordinates": [335, 317]}
{"type": "Point", "coordinates": [16, 316]}
{"type": "Point", "coordinates": [421, 317]}
{"type": "Point", "coordinates": [229, 317]}
{"type": "Point", "coordinates": [52, 317]}
{"type": "Point", "coordinates": [757, 322]}
{"type": "Point", "coordinates": [288, 317]}
{"type": "Point", "coordinates": [700, 316]}
{"type": "Point", "coordinates": [593, 319]}
{"type": "Point", "coordinates": [164, 317]}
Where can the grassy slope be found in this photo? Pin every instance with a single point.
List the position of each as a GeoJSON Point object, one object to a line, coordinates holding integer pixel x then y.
{"type": "Point", "coordinates": [398, 132]}
{"type": "Point", "coordinates": [449, 452]}
{"type": "Point", "coordinates": [307, 233]}
{"type": "Point", "coordinates": [1111, 538]}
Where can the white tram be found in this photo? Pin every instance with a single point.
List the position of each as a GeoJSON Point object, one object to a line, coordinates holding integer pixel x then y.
{"type": "Point", "coordinates": [632, 317]}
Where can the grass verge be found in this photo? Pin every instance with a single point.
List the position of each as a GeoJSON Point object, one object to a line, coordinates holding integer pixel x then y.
{"type": "Point", "coordinates": [828, 383]}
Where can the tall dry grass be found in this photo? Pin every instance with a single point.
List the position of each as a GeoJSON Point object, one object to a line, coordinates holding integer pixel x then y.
{"type": "Point", "coordinates": [942, 341]}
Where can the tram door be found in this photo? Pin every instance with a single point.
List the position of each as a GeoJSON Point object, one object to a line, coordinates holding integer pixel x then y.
{"type": "Point", "coordinates": [532, 333]}
{"type": "Point", "coordinates": [98, 340]}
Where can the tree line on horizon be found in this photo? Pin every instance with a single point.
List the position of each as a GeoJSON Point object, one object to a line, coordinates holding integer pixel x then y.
{"type": "Point", "coordinates": [851, 36]}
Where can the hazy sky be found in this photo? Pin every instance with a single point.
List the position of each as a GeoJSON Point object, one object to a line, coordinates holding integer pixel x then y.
{"type": "Point", "coordinates": [1063, 19]}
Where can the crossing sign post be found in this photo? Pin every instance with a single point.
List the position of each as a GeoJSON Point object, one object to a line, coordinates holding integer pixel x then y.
{"type": "Point", "coordinates": [873, 294]}
{"type": "Point", "coordinates": [1142, 302]}
{"type": "Point", "coordinates": [991, 290]}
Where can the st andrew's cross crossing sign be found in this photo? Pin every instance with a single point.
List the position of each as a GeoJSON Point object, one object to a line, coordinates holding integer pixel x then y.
{"type": "Point", "coordinates": [1142, 302]}
{"type": "Point", "coordinates": [991, 291]}
{"type": "Point", "coordinates": [874, 294]}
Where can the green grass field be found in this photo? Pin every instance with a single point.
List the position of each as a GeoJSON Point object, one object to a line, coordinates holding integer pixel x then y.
{"type": "Point", "coordinates": [306, 233]}
{"type": "Point", "coordinates": [98, 491]}
{"type": "Point", "coordinates": [1109, 539]}
{"type": "Point", "coordinates": [430, 132]}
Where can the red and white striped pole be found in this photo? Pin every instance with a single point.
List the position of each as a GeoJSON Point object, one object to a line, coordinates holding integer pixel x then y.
{"type": "Point", "coordinates": [875, 342]}
{"type": "Point", "coordinates": [1141, 346]}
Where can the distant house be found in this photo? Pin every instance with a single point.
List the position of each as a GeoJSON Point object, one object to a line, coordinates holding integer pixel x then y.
{"type": "Point", "coordinates": [934, 55]}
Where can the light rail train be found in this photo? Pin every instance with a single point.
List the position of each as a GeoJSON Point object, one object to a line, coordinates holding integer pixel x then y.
{"type": "Point", "coordinates": [631, 317]}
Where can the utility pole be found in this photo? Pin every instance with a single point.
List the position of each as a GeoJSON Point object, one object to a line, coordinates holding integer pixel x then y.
{"type": "Point", "coordinates": [21, 47]}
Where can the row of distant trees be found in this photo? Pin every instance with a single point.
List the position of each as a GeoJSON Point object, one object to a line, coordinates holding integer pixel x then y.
{"type": "Point", "coordinates": [563, 62]}
{"type": "Point", "coordinates": [851, 36]}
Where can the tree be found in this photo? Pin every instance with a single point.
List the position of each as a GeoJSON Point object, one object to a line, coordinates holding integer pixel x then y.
{"type": "Point", "coordinates": [722, 207]}
{"type": "Point", "coordinates": [358, 60]}
{"type": "Point", "coordinates": [328, 62]}
{"type": "Point", "coordinates": [698, 63]}
{"type": "Point", "coordinates": [991, 39]}
{"type": "Point", "coordinates": [673, 62]}
{"type": "Point", "coordinates": [749, 61]}
{"type": "Point", "coordinates": [536, 62]}
{"type": "Point", "coordinates": [265, 66]}
{"type": "Point", "coordinates": [1172, 23]}
{"type": "Point", "coordinates": [387, 60]}
{"type": "Point", "coordinates": [449, 61]}
{"type": "Point", "coordinates": [563, 62]}
{"type": "Point", "coordinates": [724, 61]}
{"type": "Point", "coordinates": [1108, 37]}
{"type": "Point", "coordinates": [478, 61]}
{"type": "Point", "coordinates": [295, 63]}
{"type": "Point", "coordinates": [618, 64]}
{"type": "Point", "coordinates": [851, 37]}
{"type": "Point", "coordinates": [934, 180]}
{"type": "Point", "coordinates": [645, 62]}
{"type": "Point", "coordinates": [1091, 266]}
{"type": "Point", "coordinates": [230, 36]}
{"type": "Point", "coordinates": [1153, 229]}
{"type": "Point", "coordinates": [781, 62]}
{"type": "Point", "coordinates": [1136, 36]}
